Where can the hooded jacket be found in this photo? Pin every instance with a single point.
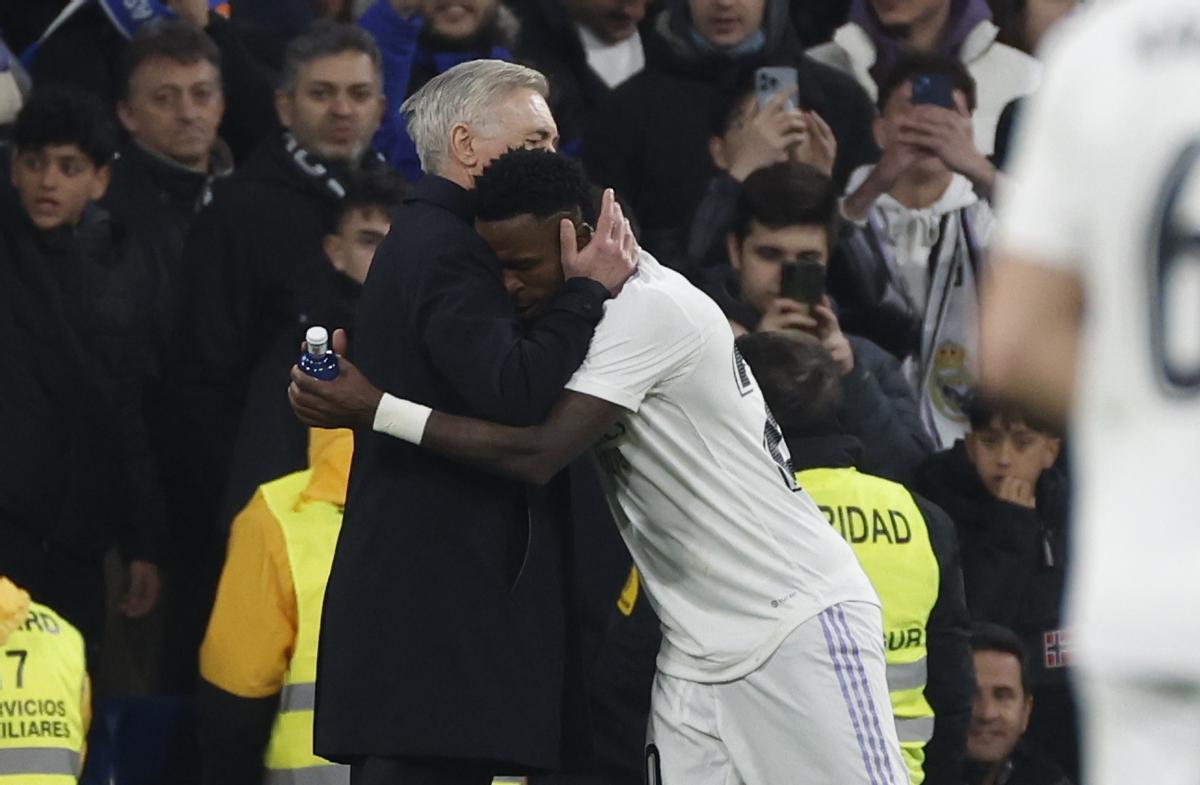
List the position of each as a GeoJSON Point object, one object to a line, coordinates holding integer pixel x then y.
{"type": "Point", "coordinates": [649, 138]}
{"type": "Point", "coordinates": [924, 265]}
{"type": "Point", "coordinates": [863, 49]}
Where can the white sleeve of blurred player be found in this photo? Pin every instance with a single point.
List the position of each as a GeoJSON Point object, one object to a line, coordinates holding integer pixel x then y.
{"type": "Point", "coordinates": [1045, 205]}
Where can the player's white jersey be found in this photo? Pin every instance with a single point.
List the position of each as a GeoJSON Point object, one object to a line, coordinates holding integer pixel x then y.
{"type": "Point", "coordinates": [734, 556]}
{"type": "Point", "coordinates": [1107, 184]}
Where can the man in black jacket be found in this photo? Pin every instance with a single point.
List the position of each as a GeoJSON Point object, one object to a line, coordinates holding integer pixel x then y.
{"type": "Point", "coordinates": [171, 104]}
{"type": "Point", "coordinates": [1004, 487]}
{"type": "Point", "coordinates": [785, 215]}
{"type": "Point", "coordinates": [253, 269]}
{"type": "Point", "coordinates": [650, 139]}
{"type": "Point", "coordinates": [586, 49]}
{"type": "Point", "coordinates": [77, 474]}
{"type": "Point", "coordinates": [801, 383]}
{"type": "Point", "coordinates": [442, 643]}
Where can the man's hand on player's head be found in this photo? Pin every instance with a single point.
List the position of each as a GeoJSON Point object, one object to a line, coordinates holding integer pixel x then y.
{"type": "Point", "coordinates": [611, 255]}
{"type": "Point", "coordinates": [349, 401]}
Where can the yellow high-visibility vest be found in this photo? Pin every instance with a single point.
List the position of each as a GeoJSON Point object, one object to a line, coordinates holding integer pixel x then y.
{"type": "Point", "coordinates": [310, 531]}
{"type": "Point", "coordinates": [43, 688]}
{"type": "Point", "coordinates": [883, 524]}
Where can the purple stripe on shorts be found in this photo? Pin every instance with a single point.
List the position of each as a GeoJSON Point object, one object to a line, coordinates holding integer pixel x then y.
{"type": "Point", "coordinates": [840, 615]}
{"type": "Point", "coordinates": [827, 624]}
{"type": "Point", "coordinates": [876, 749]}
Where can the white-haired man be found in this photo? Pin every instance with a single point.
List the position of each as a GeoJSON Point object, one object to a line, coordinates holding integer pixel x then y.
{"type": "Point", "coordinates": [441, 654]}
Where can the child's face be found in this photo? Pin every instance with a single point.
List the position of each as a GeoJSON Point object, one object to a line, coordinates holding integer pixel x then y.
{"type": "Point", "coordinates": [352, 247]}
{"type": "Point", "coordinates": [55, 184]}
{"type": "Point", "coordinates": [1010, 449]}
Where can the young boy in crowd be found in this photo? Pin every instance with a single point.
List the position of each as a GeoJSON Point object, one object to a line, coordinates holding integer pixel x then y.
{"type": "Point", "coordinates": [77, 475]}
{"type": "Point", "coordinates": [922, 227]}
{"type": "Point", "coordinates": [785, 216]}
{"type": "Point", "coordinates": [1003, 487]}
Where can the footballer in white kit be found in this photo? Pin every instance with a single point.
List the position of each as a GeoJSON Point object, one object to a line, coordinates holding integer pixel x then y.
{"type": "Point", "coordinates": [772, 666]}
{"type": "Point", "coordinates": [1094, 315]}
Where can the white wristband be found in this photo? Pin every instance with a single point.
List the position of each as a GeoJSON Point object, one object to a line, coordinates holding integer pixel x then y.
{"type": "Point", "coordinates": [401, 419]}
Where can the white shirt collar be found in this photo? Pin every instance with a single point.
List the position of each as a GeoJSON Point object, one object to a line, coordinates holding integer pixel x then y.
{"type": "Point", "coordinates": [613, 63]}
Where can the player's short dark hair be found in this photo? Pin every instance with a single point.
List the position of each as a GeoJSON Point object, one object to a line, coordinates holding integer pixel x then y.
{"type": "Point", "coordinates": [787, 194]}
{"type": "Point", "coordinates": [380, 189]}
{"type": "Point", "coordinates": [799, 379]}
{"type": "Point", "coordinates": [172, 40]}
{"type": "Point", "coordinates": [531, 182]}
{"type": "Point", "coordinates": [325, 38]}
{"type": "Point", "coordinates": [981, 411]}
{"type": "Point", "coordinates": [61, 116]}
{"type": "Point", "coordinates": [919, 64]}
{"type": "Point", "coordinates": [986, 636]}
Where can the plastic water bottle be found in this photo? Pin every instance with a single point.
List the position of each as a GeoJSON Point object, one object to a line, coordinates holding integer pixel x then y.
{"type": "Point", "coordinates": [319, 361]}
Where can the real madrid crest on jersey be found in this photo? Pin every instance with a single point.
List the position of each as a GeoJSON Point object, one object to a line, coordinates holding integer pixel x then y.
{"type": "Point", "coordinates": [950, 381]}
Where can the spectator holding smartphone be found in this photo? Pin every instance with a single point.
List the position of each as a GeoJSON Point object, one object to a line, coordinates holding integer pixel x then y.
{"type": "Point", "coordinates": [785, 218]}
{"type": "Point", "coordinates": [921, 230]}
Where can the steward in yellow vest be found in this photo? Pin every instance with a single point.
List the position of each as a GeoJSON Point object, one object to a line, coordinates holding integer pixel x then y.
{"type": "Point", "coordinates": [45, 701]}
{"type": "Point", "coordinates": [906, 546]}
{"type": "Point", "coordinates": [258, 661]}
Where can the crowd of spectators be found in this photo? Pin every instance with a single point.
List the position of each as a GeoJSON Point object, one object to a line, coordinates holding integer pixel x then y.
{"type": "Point", "coordinates": [183, 196]}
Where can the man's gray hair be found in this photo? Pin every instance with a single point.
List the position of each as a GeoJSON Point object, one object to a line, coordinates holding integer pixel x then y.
{"type": "Point", "coordinates": [324, 39]}
{"type": "Point", "coordinates": [467, 93]}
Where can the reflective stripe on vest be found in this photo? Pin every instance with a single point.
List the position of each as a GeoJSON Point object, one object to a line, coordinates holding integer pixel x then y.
{"type": "Point", "coordinates": [43, 674]}
{"type": "Point", "coordinates": [298, 697]}
{"type": "Point", "coordinates": [38, 760]}
{"type": "Point", "coordinates": [310, 531]}
{"type": "Point", "coordinates": [329, 774]}
{"type": "Point", "coordinates": [884, 526]}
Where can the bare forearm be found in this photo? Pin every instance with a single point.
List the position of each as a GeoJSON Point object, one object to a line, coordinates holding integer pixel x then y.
{"type": "Point", "coordinates": [1030, 336]}
{"type": "Point", "coordinates": [857, 205]}
{"type": "Point", "coordinates": [521, 454]}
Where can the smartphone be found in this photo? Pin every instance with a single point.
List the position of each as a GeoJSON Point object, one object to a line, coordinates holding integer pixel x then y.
{"type": "Point", "coordinates": [934, 89]}
{"type": "Point", "coordinates": [803, 282]}
{"type": "Point", "coordinates": [773, 80]}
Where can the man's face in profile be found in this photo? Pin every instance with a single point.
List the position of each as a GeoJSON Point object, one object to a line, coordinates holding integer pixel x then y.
{"type": "Point", "coordinates": [530, 258]}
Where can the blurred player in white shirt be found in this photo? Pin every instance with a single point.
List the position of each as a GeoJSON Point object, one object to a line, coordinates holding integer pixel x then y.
{"type": "Point", "coordinates": [1093, 315]}
{"type": "Point", "coordinates": [771, 668]}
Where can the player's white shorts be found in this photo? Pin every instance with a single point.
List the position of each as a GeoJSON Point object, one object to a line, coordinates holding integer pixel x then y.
{"type": "Point", "coordinates": [1140, 731]}
{"type": "Point", "coordinates": [816, 712]}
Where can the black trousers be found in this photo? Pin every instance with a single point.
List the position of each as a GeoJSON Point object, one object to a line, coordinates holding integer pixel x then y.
{"type": "Point", "coordinates": [420, 771]}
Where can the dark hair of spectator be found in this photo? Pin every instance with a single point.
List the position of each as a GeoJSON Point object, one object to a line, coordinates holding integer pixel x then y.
{"type": "Point", "coordinates": [58, 116]}
{"type": "Point", "coordinates": [375, 190]}
{"type": "Point", "coordinates": [981, 412]}
{"type": "Point", "coordinates": [531, 182]}
{"type": "Point", "coordinates": [986, 636]}
{"type": "Point", "coordinates": [325, 39]}
{"type": "Point", "coordinates": [919, 65]}
{"type": "Point", "coordinates": [173, 40]}
{"type": "Point", "coordinates": [732, 91]}
{"type": "Point", "coordinates": [787, 194]}
{"type": "Point", "coordinates": [1009, 16]}
{"type": "Point", "coordinates": [799, 379]}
